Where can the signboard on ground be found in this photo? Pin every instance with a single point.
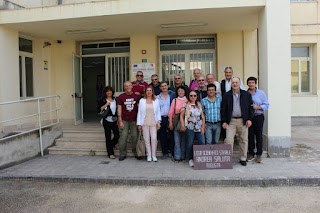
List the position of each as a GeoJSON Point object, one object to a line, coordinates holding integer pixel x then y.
{"type": "Point", "coordinates": [217, 156]}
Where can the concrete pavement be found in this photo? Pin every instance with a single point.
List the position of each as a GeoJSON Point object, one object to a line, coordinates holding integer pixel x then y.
{"type": "Point", "coordinates": [302, 168]}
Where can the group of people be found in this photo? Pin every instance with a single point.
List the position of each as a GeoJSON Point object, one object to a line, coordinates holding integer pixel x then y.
{"type": "Point", "coordinates": [206, 110]}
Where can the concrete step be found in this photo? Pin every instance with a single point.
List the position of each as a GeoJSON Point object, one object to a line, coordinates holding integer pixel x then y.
{"type": "Point", "coordinates": [83, 134]}
{"type": "Point", "coordinates": [63, 150]}
{"type": "Point", "coordinates": [81, 142]}
{"type": "Point", "coordinates": [57, 150]}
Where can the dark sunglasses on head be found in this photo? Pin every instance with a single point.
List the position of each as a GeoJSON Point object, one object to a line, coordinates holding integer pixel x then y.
{"type": "Point", "coordinates": [228, 68]}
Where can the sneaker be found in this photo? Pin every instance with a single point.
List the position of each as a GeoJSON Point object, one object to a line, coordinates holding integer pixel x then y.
{"type": "Point", "coordinates": [165, 156]}
{"type": "Point", "coordinates": [250, 158]}
{"type": "Point", "coordinates": [243, 162]}
{"type": "Point", "coordinates": [149, 159]}
{"type": "Point", "coordinates": [112, 157]}
{"type": "Point", "coordinates": [154, 158]}
{"type": "Point", "coordinates": [259, 158]}
{"type": "Point", "coordinates": [191, 164]}
{"type": "Point", "coordinates": [122, 158]}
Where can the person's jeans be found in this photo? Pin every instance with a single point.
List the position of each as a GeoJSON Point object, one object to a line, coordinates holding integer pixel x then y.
{"type": "Point", "coordinates": [190, 134]}
{"type": "Point", "coordinates": [213, 133]}
{"type": "Point", "coordinates": [167, 143]}
{"type": "Point", "coordinates": [108, 127]}
{"type": "Point", "coordinates": [256, 130]}
{"type": "Point", "coordinates": [132, 127]}
{"type": "Point", "coordinates": [179, 145]}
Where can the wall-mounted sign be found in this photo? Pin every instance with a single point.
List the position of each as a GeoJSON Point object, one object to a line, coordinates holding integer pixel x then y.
{"type": "Point", "coordinates": [217, 156]}
{"type": "Point", "coordinates": [148, 69]}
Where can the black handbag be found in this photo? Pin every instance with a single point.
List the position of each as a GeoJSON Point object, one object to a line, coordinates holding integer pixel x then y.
{"type": "Point", "coordinates": [104, 113]}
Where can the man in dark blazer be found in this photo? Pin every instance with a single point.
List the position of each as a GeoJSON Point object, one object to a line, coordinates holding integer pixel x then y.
{"type": "Point", "coordinates": [236, 116]}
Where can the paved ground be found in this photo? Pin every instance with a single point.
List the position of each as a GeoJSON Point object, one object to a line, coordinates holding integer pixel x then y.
{"type": "Point", "coordinates": [26, 196]}
{"type": "Point", "coordinates": [302, 168]}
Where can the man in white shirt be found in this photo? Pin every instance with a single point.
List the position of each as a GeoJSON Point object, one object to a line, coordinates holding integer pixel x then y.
{"type": "Point", "coordinates": [226, 83]}
{"type": "Point", "coordinates": [212, 80]}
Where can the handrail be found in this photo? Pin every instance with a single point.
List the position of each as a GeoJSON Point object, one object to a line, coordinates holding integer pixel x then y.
{"type": "Point", "coordinates": [58, 105]}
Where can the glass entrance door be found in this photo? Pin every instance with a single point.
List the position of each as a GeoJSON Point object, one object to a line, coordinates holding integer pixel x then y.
{"type": "Point", "coordinates": [77, 91]}
{"type": "Point", "coordinates": [117, 71]}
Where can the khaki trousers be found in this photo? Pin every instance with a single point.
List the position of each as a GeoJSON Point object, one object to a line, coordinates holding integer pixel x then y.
{"type": "Point", "coordinates": [236, 126]}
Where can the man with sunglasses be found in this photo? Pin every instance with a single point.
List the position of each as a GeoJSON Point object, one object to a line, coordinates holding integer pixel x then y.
{"type": "Point", "coordinates": [139, 86]}
{"type": "Point", "coordinates": [155, 84]}
{"type": "Point", "coordinates": [177, 83]}
{"type": "Point", "coordinates": [202, 88]}
{"type": "Point", "coordinates": [226, 83]}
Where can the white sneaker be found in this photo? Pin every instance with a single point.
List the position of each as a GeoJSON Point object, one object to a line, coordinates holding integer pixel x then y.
{"type": "Point", "coordinates": [191, 164]}
{"type": "Point", "coordinates": [154, 158]}
{"type": "Point", "coordinates": [149, 159]}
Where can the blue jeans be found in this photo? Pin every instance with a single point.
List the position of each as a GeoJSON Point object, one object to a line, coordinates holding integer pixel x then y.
{"type": "Point", "coordinates": [179, 145]}
{"type": "Point", "coordinates": [190, 138]}
{"type": "Point", "coordinates": [213, 133]}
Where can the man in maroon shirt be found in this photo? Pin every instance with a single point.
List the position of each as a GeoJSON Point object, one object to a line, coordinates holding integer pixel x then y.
{"type": "Point", "coordinates": [139, 86]}
{"type": "Point", "coordinates": [127, 118]}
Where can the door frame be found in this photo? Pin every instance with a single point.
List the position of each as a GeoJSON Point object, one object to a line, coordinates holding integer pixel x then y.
{"type": "Point", "coordinates": [75, 94]}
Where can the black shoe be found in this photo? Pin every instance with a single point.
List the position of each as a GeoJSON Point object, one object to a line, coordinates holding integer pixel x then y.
{"type": "Point", "coordinates": [139, 158]}
{"type": "Point", "coordinates": [122, 158]}
{"type": "Point", "coordinates": [243, 162]}
{"type": "Point", "coordinates": [165, 156]}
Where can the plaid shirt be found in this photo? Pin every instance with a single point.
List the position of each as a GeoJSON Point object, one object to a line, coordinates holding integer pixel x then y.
{"type": "Point", "coordinates": [211, 109]}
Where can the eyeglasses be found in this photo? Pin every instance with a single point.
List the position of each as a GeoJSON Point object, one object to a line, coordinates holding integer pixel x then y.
{"type": "Point", "coordinates": [192, 95]}
{"type": "Point", "coordinates": [139, 75]}
{"type": "Point", "coordinates": [155, 79]}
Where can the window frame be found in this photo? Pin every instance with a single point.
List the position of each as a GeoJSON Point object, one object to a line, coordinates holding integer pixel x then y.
{"type": "Point", "coordinates": [300, 59]}
{"type": "Point", "coordinates": [23, 56]}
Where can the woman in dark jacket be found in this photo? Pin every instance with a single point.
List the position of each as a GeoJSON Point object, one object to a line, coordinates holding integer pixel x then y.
{"type": "Point", "coordinates": [110, 123]}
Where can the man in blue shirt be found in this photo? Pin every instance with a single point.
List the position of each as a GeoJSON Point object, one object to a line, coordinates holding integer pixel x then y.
{"type": "Point", "coordinates": [165, 98]}
{"type": "Point", "coordinates": [211, 107]}
{"type": "Point", "coordinates": [260, 105]}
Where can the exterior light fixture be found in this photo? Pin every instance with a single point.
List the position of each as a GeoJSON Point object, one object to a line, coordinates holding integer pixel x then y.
{"type": "Point", "coordinates": [98, 30]}
{"type": "Point", "coordinates": [174, 25]}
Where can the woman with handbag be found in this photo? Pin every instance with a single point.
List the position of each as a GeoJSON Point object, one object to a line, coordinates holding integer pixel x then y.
{"type": "Point", "coordinates": [108, 104]}
{"type": "Point", "coordinates": [174, 124]}
{"type": "Point", "coordinates": [192, 123]}
{"type": "Point", "coordinates": [148, 120]}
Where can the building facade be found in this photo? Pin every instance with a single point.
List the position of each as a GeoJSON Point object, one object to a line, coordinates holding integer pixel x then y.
{"type": "Point", "coordinates": [73, 48]}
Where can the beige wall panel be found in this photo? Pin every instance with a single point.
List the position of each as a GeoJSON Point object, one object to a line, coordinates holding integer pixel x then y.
{"type": "Point", "coordinates": [230, 53]}
{"type": "Point", "coordinates": [143, 42]}
{"type": "Point", "coordinates": [304, 13]}
{"type": "Point", "coordinates": [250, 49]}
{"type": "Point", "coordinates": [9, 65]}
{"type": "Point", "coordinates": [62, 75]}
{"type": "Point", "coordinates": [305, 106]}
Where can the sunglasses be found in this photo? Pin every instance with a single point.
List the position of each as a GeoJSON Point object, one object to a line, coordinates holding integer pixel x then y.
{"type": "Point", "coordinates": [177, 78]}
{"type": "Point", "coordinates": [155, 79]}
{"type": "Point", "coordinates": [192, 95]}
{"type": "Point", "coordinates": [201, 80]}
{"type": "Point", "coordinates": [139, 75]}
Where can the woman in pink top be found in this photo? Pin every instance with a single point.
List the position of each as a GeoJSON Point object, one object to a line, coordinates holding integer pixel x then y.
{"type": "Point", "coordinates": [179, 137]}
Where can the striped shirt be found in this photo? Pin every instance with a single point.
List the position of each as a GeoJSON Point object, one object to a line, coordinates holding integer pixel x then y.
{"type": "Point", "coordinates": [211, 109]}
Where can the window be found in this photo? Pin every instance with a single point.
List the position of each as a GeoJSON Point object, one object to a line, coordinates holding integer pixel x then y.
{"type": "Point", "coordinates": [26, 67]}
{"type": "Point", "coordinates": [300, 70]}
